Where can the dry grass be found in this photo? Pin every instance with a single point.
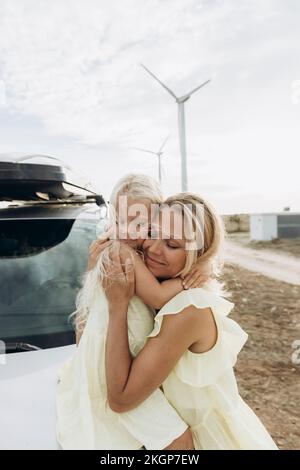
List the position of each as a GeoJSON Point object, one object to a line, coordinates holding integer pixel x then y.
{"type": "Point", "coordinates": [269, 311]}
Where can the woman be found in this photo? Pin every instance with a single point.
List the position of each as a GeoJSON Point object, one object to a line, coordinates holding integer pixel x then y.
{"type": "Point", "coordinates": [193, 346]}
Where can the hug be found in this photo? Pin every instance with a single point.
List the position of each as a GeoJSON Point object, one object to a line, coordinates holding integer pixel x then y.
{"type": "Point", "coordinates": [153, 367]}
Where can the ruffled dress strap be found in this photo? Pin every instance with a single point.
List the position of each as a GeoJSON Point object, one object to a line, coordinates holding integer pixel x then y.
{"type": "Point", "coordinates": [203, 369]}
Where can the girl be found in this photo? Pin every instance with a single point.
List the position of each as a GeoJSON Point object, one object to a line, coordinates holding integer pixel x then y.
{"type": "Point", "coordinates": [193, 346]}
{"type": "Point", "coordinates": [84, 419]}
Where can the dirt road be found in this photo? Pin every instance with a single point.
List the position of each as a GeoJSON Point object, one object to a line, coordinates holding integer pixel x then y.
{"type": "Point", "coordinates": [277, 266]}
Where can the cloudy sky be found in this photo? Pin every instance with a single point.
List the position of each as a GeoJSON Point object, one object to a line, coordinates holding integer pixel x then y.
{"type": "Point", "coordinates": [71, 86]}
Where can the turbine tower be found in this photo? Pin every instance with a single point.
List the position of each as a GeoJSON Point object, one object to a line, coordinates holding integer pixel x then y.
{"type": "Point", "coordinates": [180, 100]}
{"type": "Point", "coordinates": [159, 154]}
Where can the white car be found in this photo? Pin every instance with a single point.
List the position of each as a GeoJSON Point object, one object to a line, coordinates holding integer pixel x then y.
{"type": "Point", "coordinates": [27, 398]}
{"type": "Point", "coordinates": [44, 241]}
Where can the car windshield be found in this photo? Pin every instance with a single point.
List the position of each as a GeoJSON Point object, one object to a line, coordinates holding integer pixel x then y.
{"type": "Point", "coordinates": [41, 266]}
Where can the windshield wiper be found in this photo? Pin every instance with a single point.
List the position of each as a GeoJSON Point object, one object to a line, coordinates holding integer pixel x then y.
{"type": "Point", "coordinates": [18, 347]}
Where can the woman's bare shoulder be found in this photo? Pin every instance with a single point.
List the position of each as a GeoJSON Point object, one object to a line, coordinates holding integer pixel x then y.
{"type": "Point", "coordinates": [198, 323]}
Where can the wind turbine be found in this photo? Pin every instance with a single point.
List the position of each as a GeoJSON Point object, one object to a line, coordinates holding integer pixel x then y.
{"type": "Point", "coordinates": [180, 100]}
{"type": "Point", "coordinates": [159, 154]}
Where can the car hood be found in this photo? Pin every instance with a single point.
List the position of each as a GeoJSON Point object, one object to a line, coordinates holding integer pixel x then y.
{"type": "Point", "coordinates": [28, 398]}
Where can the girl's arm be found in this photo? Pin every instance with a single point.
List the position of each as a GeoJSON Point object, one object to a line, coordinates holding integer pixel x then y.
{"type": "Point", "coordinates": [199, 274]}
{"type": "Point", "coordinates": [97, 246]}
{"type": "Point", "coordinates": [78, 335]}
{"type": "Point", "coordinates": [131, 380]}
{"type": "Point", "coordinates": [152, 292]}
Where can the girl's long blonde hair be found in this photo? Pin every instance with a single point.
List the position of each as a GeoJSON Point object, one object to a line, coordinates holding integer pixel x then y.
{"type": "Point", "coordinates": [134, 186]}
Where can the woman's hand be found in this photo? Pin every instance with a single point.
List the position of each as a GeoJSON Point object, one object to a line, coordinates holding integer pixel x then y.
{"type": "Point", "coordinates": [97, 247]}
{"type": "Point", "coordinates": [198, 275]}
{"type": "Point", "coordinates": [119, 283]}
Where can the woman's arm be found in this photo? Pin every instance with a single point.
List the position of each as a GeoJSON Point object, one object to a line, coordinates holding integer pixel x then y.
{"type": "Point", "coordinates": [130, 381]}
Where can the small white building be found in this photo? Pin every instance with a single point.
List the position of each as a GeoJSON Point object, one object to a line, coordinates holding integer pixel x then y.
{"type": "Point", "coordinates": [274, 225]}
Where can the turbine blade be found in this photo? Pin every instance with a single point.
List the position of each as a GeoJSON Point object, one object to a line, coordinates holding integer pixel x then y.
{"type": "Point", "coordinates": [164, 143]}
{"type": "Point", "coordinates": [144, 150]}
{"type": "Point", "coordinates": [160, 82]}
{"type": "Point", "coordinates": [198, 87]}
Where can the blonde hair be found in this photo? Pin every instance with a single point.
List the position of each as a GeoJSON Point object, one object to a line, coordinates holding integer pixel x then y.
{"type": "Point", "coordinates": [135, 186]}
{"type": "Point", "coordinates": [210, 224]}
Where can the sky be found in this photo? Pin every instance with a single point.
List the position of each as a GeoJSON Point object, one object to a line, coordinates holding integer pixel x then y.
{"type": "Point", "coordinates": [71, 86]}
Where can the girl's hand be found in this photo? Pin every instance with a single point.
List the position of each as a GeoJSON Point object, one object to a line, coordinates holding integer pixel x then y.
{"type": "Point", "coordinates": [198, 275]}
{"type": "Point", "coordinates": [119, 284]}
{"type": "Point", "coordinates": [97, 247]}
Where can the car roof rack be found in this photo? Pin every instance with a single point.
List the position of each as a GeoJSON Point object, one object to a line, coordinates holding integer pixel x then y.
{"type": "Point", "coordinates": [53, 181]}
{"type": "Point", "coordinates": [97, 198]}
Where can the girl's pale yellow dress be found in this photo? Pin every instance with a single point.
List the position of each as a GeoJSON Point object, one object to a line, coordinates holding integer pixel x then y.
{"type": "Point", "coordinates": [201, 387]}
{"type": "Point", "coordinates": [84, 419]}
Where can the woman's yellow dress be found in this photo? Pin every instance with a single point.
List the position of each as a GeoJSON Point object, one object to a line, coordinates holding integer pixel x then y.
{"type": "Point", "coordinates": [202, 387]}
